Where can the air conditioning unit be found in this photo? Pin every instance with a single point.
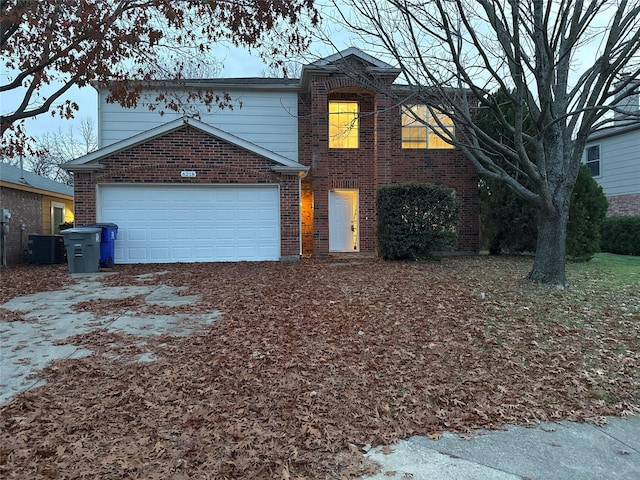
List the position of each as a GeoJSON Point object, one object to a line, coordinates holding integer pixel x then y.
{"type": "Point", "coordinates": [45, 249]}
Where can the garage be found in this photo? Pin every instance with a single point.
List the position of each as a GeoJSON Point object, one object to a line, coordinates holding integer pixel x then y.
{"type": "Point", "coordinates": [170, 223]}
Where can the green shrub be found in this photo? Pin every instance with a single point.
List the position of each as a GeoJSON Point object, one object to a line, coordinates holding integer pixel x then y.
{"type": "Point", "coordinates": [415, 220]}
{"type": "Point", "coordinates": [621, 235]}
{"type": "Point", "coordinates": [509, 223]}
{"type": "Point", "coordinates": [586, 213]}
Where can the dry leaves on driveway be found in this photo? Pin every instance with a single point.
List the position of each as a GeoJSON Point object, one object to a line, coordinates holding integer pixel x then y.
{"type": "Point", "coordinates": [315, 359]}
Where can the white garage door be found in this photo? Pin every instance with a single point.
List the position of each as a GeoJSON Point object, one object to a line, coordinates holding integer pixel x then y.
{"type": "Point", "coordinates": [176, 223]}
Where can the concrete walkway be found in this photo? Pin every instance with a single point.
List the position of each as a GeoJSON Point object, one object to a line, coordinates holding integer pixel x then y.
{"type": "Point", "coordinates": [571, 451]}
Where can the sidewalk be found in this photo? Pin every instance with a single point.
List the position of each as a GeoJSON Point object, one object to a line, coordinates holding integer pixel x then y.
{"type": "Point", "coordinates": [552, 451]}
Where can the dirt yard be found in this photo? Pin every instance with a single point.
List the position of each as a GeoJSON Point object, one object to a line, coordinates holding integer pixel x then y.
{"type": "Point", "coordinates": [313, 360]}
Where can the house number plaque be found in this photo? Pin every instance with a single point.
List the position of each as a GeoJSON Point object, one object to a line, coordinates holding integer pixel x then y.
{"type": "Point", "coordinates": [187, 174]}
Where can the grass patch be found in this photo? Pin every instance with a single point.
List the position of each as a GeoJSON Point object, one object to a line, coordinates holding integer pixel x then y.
{"type": "Point", "coordinates": [610, 268]}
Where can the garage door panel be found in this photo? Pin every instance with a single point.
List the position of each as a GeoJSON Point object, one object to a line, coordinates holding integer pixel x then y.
{"type": "Point", "coordinates": [203, 234]}
{"type": "Point", "coordinates": [158, 234]}
{"type": "Point", "coordinates": [201, 215]}
{"type": "Point", "coordinates": [247, 214]}
{"type": "Point", "coordinates": [204, 253]}
{"type": "Point", "coordinates": [137, 255]}
{"type": "Point", "coordinates": [265, 233]}
{"type": "Point", "coordinates": [222, 233]}
{"type": "Point", "coordinates": [178, 234]}
{"type": "Point", "coordinates": [135, 214]}
{"type": "Point", "coordinates": [225, 214]}
{"type": "Point", "coordinates": [172, 223]}
{"type": "Point", "coordinates": [135, 234]}
{"type": "Point", "coordinates": [246, 233]}
{"type": "Point", "coordinates": [182, 254]}
{"type": "Point", "coordinates": [157, 215]}
{"type": "Point", "coordinates": [159, 254]}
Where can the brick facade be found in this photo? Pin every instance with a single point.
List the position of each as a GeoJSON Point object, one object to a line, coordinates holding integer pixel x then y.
{"type": "Point", "coordinates": [215, 161]}
{"type": "Point", "coordinates": [26, 209]}
{"type": "Point", "coordinates": [379, 160]}
{"type": "Point", "coordinates": [624, 205]}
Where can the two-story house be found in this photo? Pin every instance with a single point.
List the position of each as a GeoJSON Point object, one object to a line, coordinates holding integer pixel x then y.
{"type": "Point", "coordinates": [291, 170]}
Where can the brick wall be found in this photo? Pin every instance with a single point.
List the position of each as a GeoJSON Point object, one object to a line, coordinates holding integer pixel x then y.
{"type": "Point", "coordinates": [450, 168]}
{"type": "Point", "coordinates": [26, 209]}
{"type": "Point", "coordinates": [379, 160]}
{"type": "Point", "coordinates": [624, 205]}
{"type": "Point", "coordinates": [215, 162]}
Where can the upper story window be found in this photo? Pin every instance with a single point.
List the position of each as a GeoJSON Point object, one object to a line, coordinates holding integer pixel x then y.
{"type": "Point", "coordinates": [593, 160]}
{"type": "Point", "coordinates": [420, 129]}
{"type": "Point", "coordinates": [343, 124]}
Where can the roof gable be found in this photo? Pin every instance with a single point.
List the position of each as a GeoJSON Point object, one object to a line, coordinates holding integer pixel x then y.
{"type": "Point", "coordinates": [344, 61]}
{"type": "Point", "coordinates": [613, 131]}
{"type": "Point", "coordinates": [339, 57]}
{"type": "Point", "coordinates": [90, 161]}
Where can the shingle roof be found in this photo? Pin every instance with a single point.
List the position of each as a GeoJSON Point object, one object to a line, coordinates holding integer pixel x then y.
{"type": "Point", "coordinates": [17, 176]}
{"type": "Point", "coordinates": [613, 131]}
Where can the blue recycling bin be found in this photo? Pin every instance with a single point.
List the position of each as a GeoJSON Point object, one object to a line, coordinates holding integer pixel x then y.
{"type": "Point", "coordinates": [107, 243]}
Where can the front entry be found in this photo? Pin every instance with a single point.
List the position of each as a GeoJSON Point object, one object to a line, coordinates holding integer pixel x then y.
{"type": "Point", "coordinates": [343, 220]}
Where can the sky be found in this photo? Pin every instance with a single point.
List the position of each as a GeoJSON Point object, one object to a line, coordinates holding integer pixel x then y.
{"type": "Point", "coordinates": [237, 63]}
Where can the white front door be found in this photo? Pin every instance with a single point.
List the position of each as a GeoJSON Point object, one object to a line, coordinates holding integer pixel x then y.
{"type": "Point", "coordinates": [343, 220]}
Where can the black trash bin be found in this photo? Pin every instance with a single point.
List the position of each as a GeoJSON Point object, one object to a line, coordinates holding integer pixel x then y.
{"type": "Point", "coordinates": [107, 243]}
{"type": "Point", "coordinates": [83, 249]}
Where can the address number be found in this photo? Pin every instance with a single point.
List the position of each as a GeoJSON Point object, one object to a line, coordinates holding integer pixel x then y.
{"type": "Point", "coordinates": [187, 174]}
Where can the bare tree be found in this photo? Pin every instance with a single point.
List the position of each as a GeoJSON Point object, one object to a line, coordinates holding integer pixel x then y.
{"type": "Point", "coordinates": [289, 69]}
{"type": "Point", "coordinates": [571, 63]}
{"type": "Point", "coordinates": [56, 148]}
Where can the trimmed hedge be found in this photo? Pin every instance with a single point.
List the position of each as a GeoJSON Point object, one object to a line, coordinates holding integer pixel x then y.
{"type": "Point", "coordinates": [416, 219]}
{"type": "Point", "coordinates": [621, 235]}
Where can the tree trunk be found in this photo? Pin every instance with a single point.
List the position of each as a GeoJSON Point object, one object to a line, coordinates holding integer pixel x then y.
{"type": "Point", "coordinates": [551, 250]}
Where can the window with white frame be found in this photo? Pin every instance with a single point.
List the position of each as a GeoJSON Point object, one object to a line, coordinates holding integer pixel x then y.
{"type": "Point", "coordinates": [593, 160]}
{"type": "Point", "coordinates": [420, 129]}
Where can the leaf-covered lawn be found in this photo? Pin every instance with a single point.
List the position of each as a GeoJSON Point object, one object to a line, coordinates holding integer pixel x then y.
{"type": "Point", "coordinates": [315, 359]}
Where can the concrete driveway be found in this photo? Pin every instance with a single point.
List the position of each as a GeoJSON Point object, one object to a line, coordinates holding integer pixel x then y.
{"type": "Point", "coordinates": [48, 318]}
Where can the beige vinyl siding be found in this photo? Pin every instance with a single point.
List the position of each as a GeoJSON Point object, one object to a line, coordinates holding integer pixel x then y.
{"type": "Point", "coordinates": [266, 118]}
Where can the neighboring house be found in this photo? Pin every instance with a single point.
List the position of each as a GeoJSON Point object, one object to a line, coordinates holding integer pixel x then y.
{"type": "Point", "coordinates": [291, 170]}
{"type": "Point", "coordinates": [38, 205]}
{"type": "Point", "coordinates": [613, 156]}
